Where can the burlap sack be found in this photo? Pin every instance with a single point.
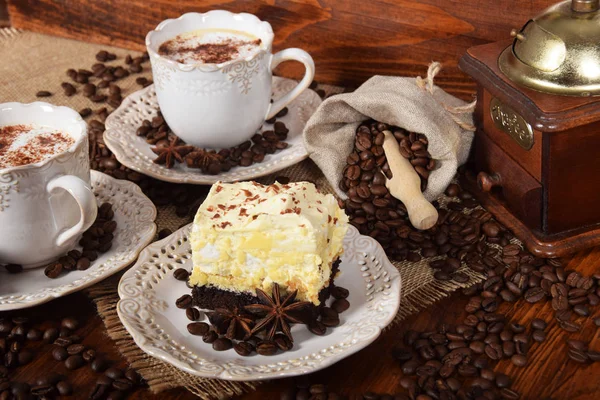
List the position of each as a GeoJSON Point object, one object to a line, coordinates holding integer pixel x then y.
{"type": "Point", "coordinates": [416, 105]}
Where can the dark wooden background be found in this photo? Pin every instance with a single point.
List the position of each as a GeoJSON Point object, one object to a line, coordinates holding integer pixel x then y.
{"type": "Point", "coordinates": [3, 14]}
{"type": "Point", "coordinates": [350, 40]}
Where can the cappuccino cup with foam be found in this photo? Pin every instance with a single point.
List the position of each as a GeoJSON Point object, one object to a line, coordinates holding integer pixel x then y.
{"type": "Point", "coordinates": [213, 74]}
{"type": "Point", "coordinates": [46, 202]}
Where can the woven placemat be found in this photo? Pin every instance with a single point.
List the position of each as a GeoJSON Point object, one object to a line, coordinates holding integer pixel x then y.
{"type": "Point", "coordinates": [31, 62]}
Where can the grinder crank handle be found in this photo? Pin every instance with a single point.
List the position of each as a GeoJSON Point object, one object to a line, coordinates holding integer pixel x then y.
{"type": "Point", "coordinates": [405, 185]}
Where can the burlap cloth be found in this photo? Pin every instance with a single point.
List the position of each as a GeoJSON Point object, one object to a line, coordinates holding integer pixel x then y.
{"type": "Point", "coordinates": [416, 105]}
{"type": "Point", "coordinates": [31, 62]}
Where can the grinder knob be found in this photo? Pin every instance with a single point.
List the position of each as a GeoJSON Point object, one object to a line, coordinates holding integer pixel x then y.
{"type": "Point", "coordinates": [487, 182]}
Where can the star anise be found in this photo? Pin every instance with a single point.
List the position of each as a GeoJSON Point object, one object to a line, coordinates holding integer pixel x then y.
{"type": "Point", "coordinates": [207, 161]}
{"type": "Point", "coordinates": [173, 151]}
{"type": "Point", "coordinates": [277, 313]}
{"type": "Point", "coordinates": [233, 323]}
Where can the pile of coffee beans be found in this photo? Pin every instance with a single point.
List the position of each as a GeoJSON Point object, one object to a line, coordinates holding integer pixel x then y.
{"type": "Point", "coordinates": [368, 157]}
{"type": "Point", "coordinates": [462, 228]}
{"type": "Point", "coordinates": [65, 346]}
{"type": "Point", "coordinates": [238, 340]}
{"type": "Point", "coordinates": [96, 240]}
{"type": "Point", "coordinates": [158, 133]}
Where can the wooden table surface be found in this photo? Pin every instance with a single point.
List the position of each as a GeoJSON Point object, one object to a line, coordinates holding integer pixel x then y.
{"type": "Point", "coordinates": [549, 373]}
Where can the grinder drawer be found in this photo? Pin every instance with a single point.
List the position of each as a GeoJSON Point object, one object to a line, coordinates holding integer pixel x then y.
{"type": "Point", "coordinates": [508, 181]}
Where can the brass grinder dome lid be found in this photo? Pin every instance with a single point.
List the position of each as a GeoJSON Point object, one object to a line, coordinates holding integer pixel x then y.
{"type": "Point", "coordinates": [558, 51]}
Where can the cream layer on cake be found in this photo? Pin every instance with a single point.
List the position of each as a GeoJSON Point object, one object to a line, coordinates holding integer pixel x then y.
{"type": "Point", "coordinates": [247, 236]}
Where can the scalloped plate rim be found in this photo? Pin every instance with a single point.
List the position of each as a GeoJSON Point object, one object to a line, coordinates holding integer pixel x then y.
{"type": "Point", "coordinates": [146, 240]}
{"type": "Point", "coordinates": [120, 152]}
{"type": "Point", "coordinates": [223, 374]}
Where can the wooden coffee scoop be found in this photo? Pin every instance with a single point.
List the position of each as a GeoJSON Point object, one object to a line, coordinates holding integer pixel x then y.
{"type": "Point", "coordinates": [405, 185]}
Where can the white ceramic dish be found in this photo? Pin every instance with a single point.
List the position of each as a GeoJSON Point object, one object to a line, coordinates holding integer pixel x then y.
{"type": "Point", "coordinates": [135, 215]}
{"type": "Point", "coordinates": [147, 309]}
{"type": "Point", "coordinates": [133, 151]}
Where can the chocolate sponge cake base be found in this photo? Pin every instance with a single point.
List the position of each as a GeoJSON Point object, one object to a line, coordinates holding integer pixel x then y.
{"type": "Point", "coordinates": [210, 297]}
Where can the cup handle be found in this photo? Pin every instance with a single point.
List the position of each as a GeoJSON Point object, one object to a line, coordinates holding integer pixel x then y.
{"type": "Point", "coordinates": [84, 197]}
{"type": "Point", "coordinates": [291, 55]}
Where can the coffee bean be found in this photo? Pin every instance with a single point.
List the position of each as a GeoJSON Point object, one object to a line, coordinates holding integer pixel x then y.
{"type": "Point", "coordinates": [74, 362]}
{"type": "Point", "coordinates": [122, 384]}
{"type": "Point", "coordinates": [467, 370]}
{"type": "Point", "coordinates": [283, 342]}
{"type": "Point", "coordinates": [24, 357]}
{"type": "Point", "coordinates": [114, 373]}
{"type": "Point", "coordinates": [99, 365]}
{"type": "Point", "coordinates": [517, 328]}
{"type": "Point", "coordinates": [53, 270]}
{"type": "Point", "coordinates": [222, 344]}
{"type": "Point", "coordinates": [534, 295]}
{"type": "Point", "coordinates": [577, 344]}
{"type": "Point", "coordinates": [181, 274]}
{"type": "Point", "coordinates": [43, 93]}
{"type": "Point", "coordinates": [593, 355]}
{"type": "Point", "coordinates": [69, 323]}
{"type": "Point", "coordinates": [494, 351]}
{"type": "Point", "coordinates": [244, 348]}
{"type": "Point", "coordinates": [582, 310]}
{"type": "Point", "coordinates": [539, 335]}
{"type": "Point", "coordinates": [50, 335]}
{"type": "Point", "coordinates": [502, 381]}
{"type": "Point", "coordinates": [538, 324]}
{"type": "Point", "coordinates": [193, 314]}
{"type": "Point", "coordinates": [509, 394]}
{"type": "Point", "coordinates": [64, 388]}
{"type": "Point", "coordinates": [34, 335]}
{"type": "Point", "coordinates": [99, 391]}
{"type": "Point", "coordinates": [597, 321]}
{"type": "Point", "coordinates": [75, 349]}
{"type": "Point", "coordinates": [578, 356]}
{"type": "Point", "coordinates": [89, 355]}
{"type": "Point", "coordinates": [60, 353]}
{"type": "Point", "coordinates": [569, 326]}
{"type": "Point", "coordinates": [519, 360]}
{"type": "Point", "coordinates": [198, 328]}
{"type": "Point", "coordinates": [340, 305]}
{"type": "Point", "coordinates": [184, 301]}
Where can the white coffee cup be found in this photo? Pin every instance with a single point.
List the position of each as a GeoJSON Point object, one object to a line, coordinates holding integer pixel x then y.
{"type": "Point", "coordinates": [45, 206]}
{"type": "Point", "coordinates": [220, 105]}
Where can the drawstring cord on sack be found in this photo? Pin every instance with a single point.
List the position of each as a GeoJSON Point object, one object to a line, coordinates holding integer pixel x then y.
{"type": "Point", "coordinates": [454, 112]}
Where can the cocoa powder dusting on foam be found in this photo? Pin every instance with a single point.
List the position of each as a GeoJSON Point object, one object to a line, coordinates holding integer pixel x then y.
{"type": "Point", "coordinates": [38, 148]}
{"type": "Point", "coordinates": [209, 53]}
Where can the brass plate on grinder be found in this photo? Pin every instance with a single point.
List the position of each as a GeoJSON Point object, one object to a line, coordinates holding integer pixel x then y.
{"type": "Point", "coordinates": [510, 122]}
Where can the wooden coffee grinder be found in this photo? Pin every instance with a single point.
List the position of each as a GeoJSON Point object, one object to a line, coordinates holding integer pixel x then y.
{"type": "Point", "coordinates": [536, 157]}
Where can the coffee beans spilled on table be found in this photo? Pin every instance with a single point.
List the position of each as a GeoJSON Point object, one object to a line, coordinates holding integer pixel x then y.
{"type": "Point", "coordinates": [95, 241]}
{"type": "Point", "coordinates": [18, 333]}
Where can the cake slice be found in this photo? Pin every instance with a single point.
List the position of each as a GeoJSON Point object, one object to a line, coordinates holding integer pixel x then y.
{"type": "Point", "coordinates": [247, 236]}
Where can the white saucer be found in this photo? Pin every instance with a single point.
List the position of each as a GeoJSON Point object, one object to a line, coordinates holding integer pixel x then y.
{"type": "Point", "coordinates": [147, 309]}
{"type": "Point", "coordinates": [134, 152]}
{"type": "Point", "coordinates": [135, 215]}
